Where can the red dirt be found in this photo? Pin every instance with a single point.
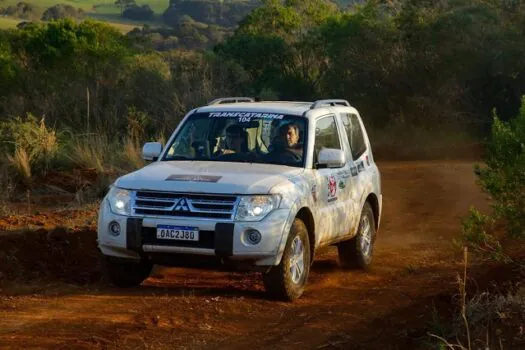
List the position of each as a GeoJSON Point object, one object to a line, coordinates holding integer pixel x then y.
{"type": "Point", "coordinates": [50, 295]}
{"type": "Point", "coordinates": [60, 254]}
{"type": "Point", "coordinates": [71, 218]}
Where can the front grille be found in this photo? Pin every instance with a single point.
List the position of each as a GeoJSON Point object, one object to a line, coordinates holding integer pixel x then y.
{"type": "Point", "coordinates": [185, 205]}
{"type": "Point", "coordinates": [206, 239]}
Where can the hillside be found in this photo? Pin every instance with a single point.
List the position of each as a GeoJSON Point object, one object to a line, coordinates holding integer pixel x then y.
{"type": "Point", "coordinates": [164, 12]}
{"type": "Point", "coordinates": [104, 10]}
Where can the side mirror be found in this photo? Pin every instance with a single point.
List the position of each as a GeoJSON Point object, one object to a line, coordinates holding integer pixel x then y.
{"type": "Point", "coordinates": [331, 158]}
{"type": "Point", "coordinates": [151, 150]}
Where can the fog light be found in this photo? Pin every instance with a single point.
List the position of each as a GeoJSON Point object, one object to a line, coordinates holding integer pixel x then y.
{"type": "Point", "coordinates": [253, 236]}
{"type": "Point", "coordinates": [114, 228]}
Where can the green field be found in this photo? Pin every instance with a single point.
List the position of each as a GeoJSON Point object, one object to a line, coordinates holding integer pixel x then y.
{"type": "Point", "coordinates": [102, 6]}
{"type": "Point", "coordinates": [103, 10]}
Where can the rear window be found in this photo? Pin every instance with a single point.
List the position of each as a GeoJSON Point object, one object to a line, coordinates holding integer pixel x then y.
{"type": "Point", "coordinates": [355, 134]}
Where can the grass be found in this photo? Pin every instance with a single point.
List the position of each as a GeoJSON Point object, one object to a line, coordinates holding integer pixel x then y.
{"type": "Point", "coordinates": [116, 19]}
{"type": "Point", "coordinates": [487, 320]}
{"type": "Point", "coordinates": [21, 162]}
{"type": "Point", "coordinates": [123, 27]}
{"type": "Point", "coordinates": [7, 22]}
{"type": "Point", "coordinates": [132, 154]}
{"type": "Point", "coordinates": [91, 153]}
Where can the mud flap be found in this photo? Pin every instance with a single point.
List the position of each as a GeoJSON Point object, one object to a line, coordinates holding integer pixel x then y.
{"type": "Point", "coordinates": [134, 234]}
{"type": "Point", "coordinates": [224, 239]}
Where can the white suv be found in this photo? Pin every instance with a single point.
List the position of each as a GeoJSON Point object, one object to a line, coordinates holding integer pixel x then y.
{"type": "Point", "coordinates": [250, 185]}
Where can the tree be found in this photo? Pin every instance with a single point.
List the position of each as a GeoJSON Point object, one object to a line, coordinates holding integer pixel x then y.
{"type": "Point", "coordinates": [124, 4]}
{"type": "Point", "coordinates": [142, 13]}
{"type": "Point", "coordinates": [290, 20]}
{"type": "Point", "coordinates": [62, 11]}
{"type": "Point", "coordinates": [63, 58]}
{"type": "Point", "coordinates": [276, 43]}
{"type": "Point", "coordinates": [8, 64]}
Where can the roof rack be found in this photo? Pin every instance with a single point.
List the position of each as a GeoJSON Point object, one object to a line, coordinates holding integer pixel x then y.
{"type": "Point", "coordinates": [330, 103]}
{"type": "Point", "coordinates": [223, 100]}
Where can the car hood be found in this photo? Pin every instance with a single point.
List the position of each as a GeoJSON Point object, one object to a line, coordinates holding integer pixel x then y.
{"type": "Point", "coordinates": [208, 177]}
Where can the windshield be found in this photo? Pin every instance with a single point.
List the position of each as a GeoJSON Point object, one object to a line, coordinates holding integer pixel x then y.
{"type": "Point", "coordinates": [241, 137]}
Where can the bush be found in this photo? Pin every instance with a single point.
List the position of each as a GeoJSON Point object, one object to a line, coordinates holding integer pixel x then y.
{"type": "Point", "coordinates": [503, 178]}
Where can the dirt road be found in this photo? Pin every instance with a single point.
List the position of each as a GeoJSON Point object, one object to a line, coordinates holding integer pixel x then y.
{"type": "Point", "coordinates": [389, 307]}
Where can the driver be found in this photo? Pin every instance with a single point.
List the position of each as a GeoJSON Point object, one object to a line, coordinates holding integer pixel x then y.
{"type": "Point", "coordinates": [235, 141]}
{"type": "Point", "coordinates": [287, 141]}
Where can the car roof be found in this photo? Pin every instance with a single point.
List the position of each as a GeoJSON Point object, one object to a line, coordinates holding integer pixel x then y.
{"type": "Point", "coordinates": [296, 108]}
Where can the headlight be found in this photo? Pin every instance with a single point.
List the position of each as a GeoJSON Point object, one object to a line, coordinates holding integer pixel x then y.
{"type": "Point", "coordinates": [255, 208]}
{"type": "Point", "coordinates": [119, 201]}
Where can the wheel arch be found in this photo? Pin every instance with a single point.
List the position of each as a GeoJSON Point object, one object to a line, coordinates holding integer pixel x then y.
{"type": "Point", "coordinates": [306, 216]}
{"type": "Point", "coordinates": [374, 203]}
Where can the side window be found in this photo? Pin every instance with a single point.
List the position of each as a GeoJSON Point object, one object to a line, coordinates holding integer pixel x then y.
{"type": "Point", "coordinates": [326, 135]}
{"type": "Point", "coordinates": [355, 135]}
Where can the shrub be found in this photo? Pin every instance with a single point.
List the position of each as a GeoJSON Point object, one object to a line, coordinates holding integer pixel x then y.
{"type": "Point", "coordinates": [31, 146]}
{"type": "Point", "coordinates": [503, 178]}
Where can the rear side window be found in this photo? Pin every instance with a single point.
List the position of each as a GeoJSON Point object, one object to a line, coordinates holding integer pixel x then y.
{"type": "Point", "coordinates": [355, 135]}
{"type": "Point", "coordinates": [326, 135]}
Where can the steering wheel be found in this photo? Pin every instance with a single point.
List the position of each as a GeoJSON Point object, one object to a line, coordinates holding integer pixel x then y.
{"type": "Point", "coordinates": [248, 157]}
{"type": "Point", "coordinates": [200, 148]}
{"type": "Point", "coordinates": [290, 156]}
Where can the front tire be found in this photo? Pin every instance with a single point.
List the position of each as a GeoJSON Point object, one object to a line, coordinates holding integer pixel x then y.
{"type": "Point", "coordinates": [357, 252]}
{"type": "Point", "coordinates": [125, 274]}
{"type": "Point", "coordinates": [287, 280]}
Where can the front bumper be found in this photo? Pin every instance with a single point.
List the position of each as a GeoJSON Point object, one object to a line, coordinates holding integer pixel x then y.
{"type": "Point", "coordinates": [221, 239]}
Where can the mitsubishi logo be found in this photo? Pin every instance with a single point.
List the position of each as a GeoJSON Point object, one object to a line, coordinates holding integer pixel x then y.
{"type": "Point", "coordinates": [182, 205]}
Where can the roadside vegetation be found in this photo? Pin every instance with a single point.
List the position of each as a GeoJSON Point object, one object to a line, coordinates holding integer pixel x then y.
{"type": "Point", "coordinates": [494, 317]}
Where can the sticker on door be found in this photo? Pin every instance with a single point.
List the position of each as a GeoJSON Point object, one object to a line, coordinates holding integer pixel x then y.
{"type": "Point", "coordinates": [332, 189]}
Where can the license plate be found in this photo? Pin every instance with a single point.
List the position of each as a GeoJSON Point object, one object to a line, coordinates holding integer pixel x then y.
{"type": "Point", "coordinates": [177, 233]}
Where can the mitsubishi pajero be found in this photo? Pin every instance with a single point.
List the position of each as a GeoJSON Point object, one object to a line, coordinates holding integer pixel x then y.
{"type": "Point", "coordinates": [259, 186]}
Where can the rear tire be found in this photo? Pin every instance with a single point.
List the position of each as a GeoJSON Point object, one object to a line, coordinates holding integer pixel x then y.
{"type": "Point", "coordinates": [357, 252]}
{"type": "Point", "coordinates": [287, 280]}
{"type": "Point", "coordinates": [125, 274]}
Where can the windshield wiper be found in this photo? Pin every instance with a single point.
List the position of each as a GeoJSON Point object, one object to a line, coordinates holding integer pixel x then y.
{"type": "Point", "coordinates": [179, 158]}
